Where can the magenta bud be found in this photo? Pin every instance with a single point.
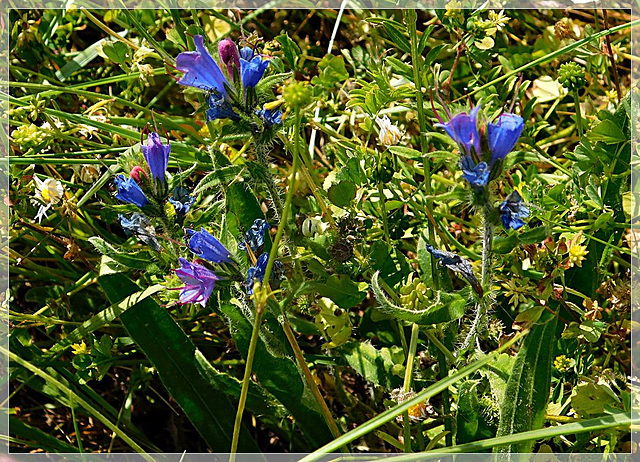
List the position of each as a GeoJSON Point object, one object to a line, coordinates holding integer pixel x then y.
{"type": "Point", "coordinates": [229, 55]}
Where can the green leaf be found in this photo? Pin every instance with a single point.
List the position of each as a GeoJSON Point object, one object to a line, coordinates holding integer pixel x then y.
{"type": "Point", "coordinates": [342, 193]}
{"type": "Point", "coordinates": [175, 358]}
{"type": "Point", "coordinates": [405, 152]}
{"type": "Point", "coordinates": [608, 132]}
{"type": "Point", "coordinates": [397, 37]}
{"type": "Point", "coordinates": [332, 71]}
{"type": "Point", "coordinates": [40, 439]}
{"type": "Point", "coordinates": [290, 48]}
{"type": "Point", "coordinates": [342, 290]}
{"type": "Point", "coordinates": [374, 365]}
{"type": "Point", "coordinates": [528, 388]}
{"type": "Point", "coordinates": [116, 51]}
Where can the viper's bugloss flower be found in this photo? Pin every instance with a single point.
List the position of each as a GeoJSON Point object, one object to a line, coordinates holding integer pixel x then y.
{"type": "Point", "coordinates": [181, 201]}
{"type": "Point", "coordinates": [219, 108]}
{"type": "Point", "coordinates": [456, 264]}
{"type": "Point", "coordinates": [140, 226]}
{"type": "Point", "coordinates": [463, 129]}
{"type": "Point", "coordinates": [228, 52]}
{"type": "Point", "coordinates": [252, 68]}
{"type": "Point", "coordinates": [503, 135]}
{"type": "Point", "coordinates": [200, 69]}
{"type": "Point", "coordinates": [157, 156]}
{"type": "Point", "coordinates": [129, 191]}
{"type": "Point", "coordinates": [136, 172]}
{"type": "Point", "coordinates": [254, 235]}
{"type": "Point", "coordinates": [257, 272]}
{"type": "Point", "coordinates": [247, 53]}
{"type": "Point", "coordinates": [206, 246]}
{"type": "Point", "coordinates": [513, 211]}
{"type": "Point", "coordinates": [270, 117]}
{"type": "Point", "coordinates": [199, 282]}
{"type": "Point", "coordinates": [476, 175]}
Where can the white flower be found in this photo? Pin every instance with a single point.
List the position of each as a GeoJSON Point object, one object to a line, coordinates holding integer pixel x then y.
{"type": "Point", "coordinates": [48, 192]}
{"type": "Point", "coordinates": [389, 133]}
{"type": "Point", "coordinates": [88, 173]}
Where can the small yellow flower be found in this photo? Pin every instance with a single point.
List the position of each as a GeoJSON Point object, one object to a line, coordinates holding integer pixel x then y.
{"type": "Point", "coordinates": [80, 348]}
{"type": "Point", "coordinates": [563, 364]}
{"type": "Point", "coordinates": [576, 254]}
{"type": "Point", "coordinates": [453, 8]}
{"type": "Point", "coordinates": [499, 20]}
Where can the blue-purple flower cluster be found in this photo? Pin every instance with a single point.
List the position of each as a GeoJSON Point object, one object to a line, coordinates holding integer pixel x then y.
{"type": "Point", "coordinates": [482, 152]}
{"type": "Point", "coordinates": [229, 91]}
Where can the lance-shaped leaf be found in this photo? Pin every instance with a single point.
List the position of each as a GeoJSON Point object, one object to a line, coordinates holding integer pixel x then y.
{"type": "Point", "coordinates": [528, 388]}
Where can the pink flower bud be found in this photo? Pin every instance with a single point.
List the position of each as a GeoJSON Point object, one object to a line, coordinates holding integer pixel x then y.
{"type": "Point", "coordinates": [229, 55]}
{"type": "Point", "coordinates": [136, 171]}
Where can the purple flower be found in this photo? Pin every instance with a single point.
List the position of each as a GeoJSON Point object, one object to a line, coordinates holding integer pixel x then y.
{"type": "Point", "coordinates": [157, 156]}
{"type": "Point", "coordinates": [228, 52]}
{"type": "Point", "coordinates": [206, 246]}
{"type": "Point", "coordinates": [219, 108]}
{"type": "Point", "coordinates": [129, 191]}
{"type": "Point", "coordinates": [253, 70]}
{"type": "Point", "coordinates": [463, 129]}
{"type": "Point", "coordinates": [513, 210]}
{"type": "Point", "coordinates": [255, 235]}
{"type": "Point", "coordinates": [199, 282]}
{"type": "Point", "coordinates": [476, 175]}
{"type": "Point", "coordinates": [140, 226]}
{"type": "Point", "coordinates": [200, 69]}
{"type": "Point", "coordinates": [504, 134]}
{"type": "Point", "coordinates": [270, 118]}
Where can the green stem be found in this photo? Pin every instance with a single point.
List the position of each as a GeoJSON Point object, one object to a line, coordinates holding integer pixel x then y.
{"type": "Point", "coordinates": [406, 387]}
{"type": "Point", "coordinates": [576, 100]}
{"type": "Point", "coordinates": [383, 211]}
{"type": "Point", "coordinates": [416, 60]}
{"type": "Point", "coordinates": [255, 334]}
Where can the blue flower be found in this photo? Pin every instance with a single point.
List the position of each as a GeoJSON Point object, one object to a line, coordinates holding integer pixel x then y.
{"type": "Point", "coordinates": [129, 191]}
{"type": "Point", "coordinates": [252, 69]}
{"type": "Point", "coordinates": [200, 69]}
{"type": "Point", "coordinates": [504, 135]}
{"type": "Point", "coordinates": [219, 108]}
{"type": "Point", "coordinates": [476, 175]}
{"type": "Point", "coordinates": [140, 226]}
{"type": "Point", "coordinates": [463, 129]}
{"type": "Point", "coordinates": [255, 235]}
{"type": "Point", "coordinates": [199, 282]}
{"type": "Point", "coordinates": [457, 264]}
{"type": "Point", "coordinates": [181, 201]}
{"type": "Point", "coordinates": [206, 246]}
{"type": "Point", "coordinates": [157, 156]}
{"type": "Point", "coordinates": [247, 53]}
{"type": "Point", "coordinates": [513, 210]}
{"type": "Point", "coordinates": [270, 118]}
{"type": "Point", "coordinates": [257, 273]}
